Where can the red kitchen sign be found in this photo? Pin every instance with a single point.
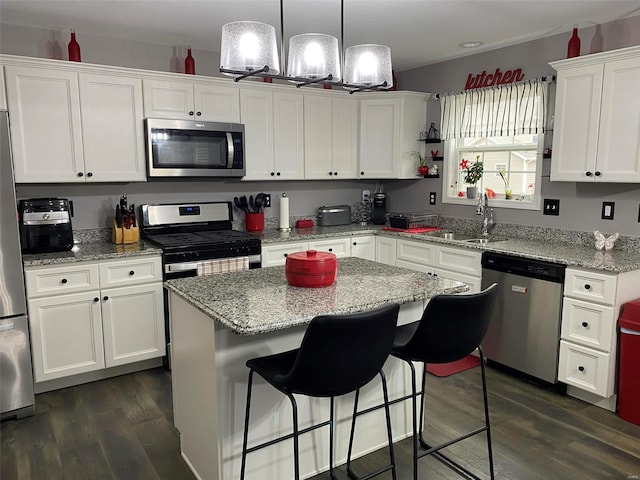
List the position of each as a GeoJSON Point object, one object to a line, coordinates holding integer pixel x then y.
{"type": "Point", "coordinates": [481, 80]}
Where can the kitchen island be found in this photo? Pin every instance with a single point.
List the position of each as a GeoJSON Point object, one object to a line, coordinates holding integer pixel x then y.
{"type": "Point", "coordinates": [219, 322]}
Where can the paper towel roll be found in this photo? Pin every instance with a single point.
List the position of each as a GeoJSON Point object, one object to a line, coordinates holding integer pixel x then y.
{"type": "Point", "coordinates": [284, 213]}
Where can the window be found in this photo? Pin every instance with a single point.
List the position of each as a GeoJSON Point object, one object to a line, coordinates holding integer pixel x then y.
{"type": "Point", "coordinates": [502, 128]}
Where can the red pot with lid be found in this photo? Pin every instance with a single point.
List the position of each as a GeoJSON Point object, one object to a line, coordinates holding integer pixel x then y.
{"type": "Point", "coordinates": [311, 269]}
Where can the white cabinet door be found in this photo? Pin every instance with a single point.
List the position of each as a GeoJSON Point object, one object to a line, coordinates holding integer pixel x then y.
{"type": "Point", "coordinates": [340, 247]}
{"type": "Point", "coordinates": [619, 137]}
{"type": "Point", "coordinates": [416, 252]}
{"type": "Point", "coordinates": [256, 113]}
{"type": "Point", "coordinates": [66, 335]}
{"type": "Point", "coordinates": [274, 255]}
{"type": "Point", "coordinates": [576, 122]}
{"type": "Point", "coordinates": [133, 324]}
{"type": "Point", "coordinates": [475, 283]}
{"type": "Point", "coordinates": [46, 133]}
{"type": "Point", "coordinates": [379, 137]}
{"type": "Point", "coordinates": [288, 135]}
{"type": "Point", "coordinates": [112, 128]}
{"type": "Point", "coordinates": [364, 247]}
{"type": "Point", "coordinates": [168, 99]}
{"type": "Point", "coordinates": [214, 103]}
{"type": "Point", "coordinates": [386, 250]}
{"type": "Point", "coordinates": [318, 142]}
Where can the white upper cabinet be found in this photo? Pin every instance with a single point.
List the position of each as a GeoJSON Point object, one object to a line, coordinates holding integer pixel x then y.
{"type": "Point", "coordinates": [75, 126]}
{"type": "Point", "coordinates": [46, 133]}
{"type": "Point", "coordinates": [330, 137]}
{"type": "Point", "coordinates": [112, 128]}
{"type": "Point", "coordinates": [274, 141]}
{"type": "Point", "coordinates": [389, 126]}
{"type": "Point", "coordinates": [597, 118]}
{"type": "Point", "coordinates": [189, 100]}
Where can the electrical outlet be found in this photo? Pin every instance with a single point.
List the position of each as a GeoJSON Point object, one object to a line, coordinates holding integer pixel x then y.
{"type": "Point", "coordinates": [638, 213]}
{"type": "Point", "coordinates": [267, 200]}
{"type": "Point", "coordinates": [607, 210]}
{"type": "Point", "coordinates": [432, 198]}
{"type": "Point", "coordinates": [366, 196]}
{"type": "Point", "coordinates": [551, 207]}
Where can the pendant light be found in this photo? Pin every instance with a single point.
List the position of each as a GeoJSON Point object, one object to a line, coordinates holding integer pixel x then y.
{"type": "Point", "coordinates": [250, 49]}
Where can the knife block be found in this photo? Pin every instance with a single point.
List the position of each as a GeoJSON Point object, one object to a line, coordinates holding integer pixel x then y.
{"type": "Point", "coordinates": [121, 235]}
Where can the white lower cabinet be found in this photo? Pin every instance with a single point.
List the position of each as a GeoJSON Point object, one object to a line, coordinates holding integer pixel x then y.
{"type": "Point", "coordinates": [276, 254]}
{"type": "Point", "coordinates": [340, 247]}
{"type": "Point", "coordinates": [460, 264]}
{"type": "Point", "coordinates": [364, 246]}
{"type": "Point", "coordinates": [588, 345]}
{"type": "Point", "coordinates": [78, 325]}
{"type": "Point", "coordinates": [386, 250]}
{"type": "Point", "coordinates": [66, 335]}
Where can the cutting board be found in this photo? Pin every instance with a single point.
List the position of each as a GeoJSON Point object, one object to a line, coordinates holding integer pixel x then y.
{"type": "Point", "coordinates": [413, 229]}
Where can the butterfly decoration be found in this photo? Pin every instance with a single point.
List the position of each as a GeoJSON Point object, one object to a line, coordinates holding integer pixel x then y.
{"type": "Point", "coordinates": [434, 153]}
{"type": "Point", "coordinates": [605, 243]}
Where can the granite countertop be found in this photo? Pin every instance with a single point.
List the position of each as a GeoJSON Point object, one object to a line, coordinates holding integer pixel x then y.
{"type": "Point", "coordinates": [91, 251]}
{"type": "Point", "coordinates": [563, 252]}
{"type": "Point", "coordinates": [260, 301]}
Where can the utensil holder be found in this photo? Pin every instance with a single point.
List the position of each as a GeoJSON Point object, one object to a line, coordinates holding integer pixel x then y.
{"type": "Point", "coordinates": [121, 235]}
{"type": "Point", "coordinates": [254, 222]}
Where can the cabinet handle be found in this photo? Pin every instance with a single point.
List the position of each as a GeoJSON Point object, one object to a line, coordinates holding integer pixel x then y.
{"type": "Point", "coordinates": [63, 281]}
{"type": "Point", "coordinates": [105, 298]}
{"type": "Point", "coordinates": [585, 324]}
{"type": "Point", "coordinates": [80, 174]}
{"type": "Point", "coordinates": [273, 173]}
{"type": "Point", "coordinates": [191, 113]}
{"type": "Point", "coordinates": [355, 243]}
{"type": "Point", "coordinates": [588, 174]}
{"type": "Point", "coordinates": [598, 173]}
{"type": "Point", "coordinates": [277, 174]}
{"type": "Point", "coordinates": [335, 173]}
{"type": "Point", "coordinates": [96, 299]}
{"type": "Point", "coordinates": [331, 249]}
{"type": "Point", "coordinates": [581, 368]}
{"type": "Point", "coordinates": [330, 173]}
{"type": "Point", "coordinates": [198, 113]}
{"type": "Point", "coordinates": [587, 286]}
{"type": "Point", "coordinates": [132, 272]}
{"type": "Point", "coordinates": [286, 254]}
{"type": "Point", "coordinates": [361, 173]}
{"type": "Point", "coordinates": [89, 174]}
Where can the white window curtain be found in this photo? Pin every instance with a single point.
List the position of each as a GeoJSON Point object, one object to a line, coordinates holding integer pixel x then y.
{"type": "Point", "coordinates": [496, 111]}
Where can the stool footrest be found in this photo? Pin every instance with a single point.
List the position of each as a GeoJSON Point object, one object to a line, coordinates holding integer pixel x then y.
{"type": "Point", "coordinates": [380, 471]}
{"type": "Point", "coordinates": [288, 436]}
{"type": "Point", "coordinates": [452, 464]}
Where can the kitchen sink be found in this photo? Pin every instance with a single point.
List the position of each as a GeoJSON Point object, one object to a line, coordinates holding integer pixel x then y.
{"type": "Point", "coordinates": [451, 236]}
{"type": "Point", "coordinates": [484, 240]}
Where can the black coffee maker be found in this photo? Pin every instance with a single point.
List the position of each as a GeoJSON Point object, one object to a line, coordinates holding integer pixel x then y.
{"type": "Point", "coordinates": [45, 225]}
{"type": "Point", "coordinates": [379, 215]}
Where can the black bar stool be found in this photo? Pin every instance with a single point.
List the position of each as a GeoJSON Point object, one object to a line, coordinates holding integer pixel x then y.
{"type": "Point", "coordinates": [451, 327]}
{"type": "Point", "coordinates": [339, 354]}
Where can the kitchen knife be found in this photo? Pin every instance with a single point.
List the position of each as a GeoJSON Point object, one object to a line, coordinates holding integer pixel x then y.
{"type": "Point", "coordinates": [118, 216]}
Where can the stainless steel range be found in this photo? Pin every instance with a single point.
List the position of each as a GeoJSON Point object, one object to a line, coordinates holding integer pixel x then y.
{"type": "Point", "coordinates": [196, 235]}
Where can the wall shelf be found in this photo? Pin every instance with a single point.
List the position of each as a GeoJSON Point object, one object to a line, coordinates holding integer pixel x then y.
{"type": "Point", "coordinates": [432, 140]}
{"type": "Point", "coordinates": [430, 176]}
{"type": "Point", "coordinates": [436, 159]}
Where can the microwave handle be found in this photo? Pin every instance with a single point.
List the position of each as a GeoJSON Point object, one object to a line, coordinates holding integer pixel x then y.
{"type": "Point", "coordinates": [230, 150]}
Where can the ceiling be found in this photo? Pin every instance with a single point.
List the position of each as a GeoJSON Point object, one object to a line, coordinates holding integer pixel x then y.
{"type": "Point", "coordinates": [419, 32]}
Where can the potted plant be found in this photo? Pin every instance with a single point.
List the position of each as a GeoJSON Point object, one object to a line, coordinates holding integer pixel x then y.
{"type": "Point", "coordinates": [472, 175]}
{"type": "Point", "coordinates": [423, 168]}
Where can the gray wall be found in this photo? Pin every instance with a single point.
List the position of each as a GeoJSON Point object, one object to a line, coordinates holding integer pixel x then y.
{"type": "Point", "coordinates": [580, 203]}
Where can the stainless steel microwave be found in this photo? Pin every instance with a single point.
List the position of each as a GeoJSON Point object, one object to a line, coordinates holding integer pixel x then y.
{"type": "Point", "coordinates": [191, 148]}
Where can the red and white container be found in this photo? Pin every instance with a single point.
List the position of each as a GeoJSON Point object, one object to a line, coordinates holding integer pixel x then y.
{"type": "Point", "coordinates": [311, 269]}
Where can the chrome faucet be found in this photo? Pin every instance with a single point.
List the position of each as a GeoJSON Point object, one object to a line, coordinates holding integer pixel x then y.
{"type": "Point", "coordinates": [482, 208]}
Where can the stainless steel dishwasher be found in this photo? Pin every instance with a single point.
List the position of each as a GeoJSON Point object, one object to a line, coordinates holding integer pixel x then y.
{"type": "Point", "coordinates": [525, 329]}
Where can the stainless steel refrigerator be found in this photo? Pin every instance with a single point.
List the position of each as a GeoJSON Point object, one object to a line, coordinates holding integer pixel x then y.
{"type": "Point", "coordinates": [16, 376]}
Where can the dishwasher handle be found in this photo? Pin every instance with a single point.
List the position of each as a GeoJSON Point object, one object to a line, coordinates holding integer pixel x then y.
{"type": "Point", "coordinates": [526, 267]}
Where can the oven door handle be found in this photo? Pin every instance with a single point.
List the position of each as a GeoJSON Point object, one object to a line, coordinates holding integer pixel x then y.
{"type": "Point", "coordinates": [230, 150]}
{"type": "Point", "coordinates": [180, 267]}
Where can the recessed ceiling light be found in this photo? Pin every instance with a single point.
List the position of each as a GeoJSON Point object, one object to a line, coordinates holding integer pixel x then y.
{"type": "Point", "coordinates": [472, 44]}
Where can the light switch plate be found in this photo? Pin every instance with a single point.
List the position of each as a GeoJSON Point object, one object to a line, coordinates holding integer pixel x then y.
{"type": "Point", "coordinates": [366, 196]}
{"type": "Point", "coordinates": [551, 207]}
{"type": "Point", "coordinates": [608, 210]}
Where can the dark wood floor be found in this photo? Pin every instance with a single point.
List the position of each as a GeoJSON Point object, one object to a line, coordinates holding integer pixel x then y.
{"type": "Point", "coordinates": [121, 428]}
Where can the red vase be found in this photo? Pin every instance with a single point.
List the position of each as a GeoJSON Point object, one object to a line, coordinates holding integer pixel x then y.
{"type": "Point", "coordinates": [189, 63]}
{"type": "Point", "coordinates": [573, 47]}
{"type": "Point", "coordinates": [74, 49]}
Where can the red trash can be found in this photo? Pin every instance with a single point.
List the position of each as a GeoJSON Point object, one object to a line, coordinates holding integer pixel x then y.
{"type": "Point", "coordinates": [629, 363]}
